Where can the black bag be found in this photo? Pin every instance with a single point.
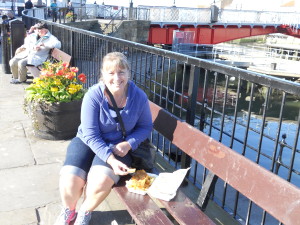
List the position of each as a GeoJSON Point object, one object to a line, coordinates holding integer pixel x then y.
{"type": "Point", "coordinates": [143, 157]}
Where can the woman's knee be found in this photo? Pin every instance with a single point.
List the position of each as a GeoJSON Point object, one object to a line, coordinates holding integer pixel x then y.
{"type": "Point", "coordinates": [99, 183]}
{"type": "Point", "coordinates": [70, 182]}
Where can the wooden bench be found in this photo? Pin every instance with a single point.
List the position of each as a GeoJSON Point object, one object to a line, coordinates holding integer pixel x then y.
{"type": "Point", "coordinates": [276, 196]}
{"type": "Point", "coordinates": [55, 54]}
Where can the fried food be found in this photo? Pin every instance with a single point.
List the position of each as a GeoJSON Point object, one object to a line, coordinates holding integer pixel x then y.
{"type": "Point", "coordinates": [140, 181]}
{"type": "Point", "coordinates": [131, 170]}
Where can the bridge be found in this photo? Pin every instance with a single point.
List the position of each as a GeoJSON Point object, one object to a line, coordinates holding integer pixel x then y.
{"type": "Point", "coordinates": [208, 25]}
{"type": "Point", "coordinates": [213, 25]}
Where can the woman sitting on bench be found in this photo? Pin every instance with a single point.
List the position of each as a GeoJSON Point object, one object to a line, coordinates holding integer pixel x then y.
{"type": "Point", "coordinates": [98, 155]}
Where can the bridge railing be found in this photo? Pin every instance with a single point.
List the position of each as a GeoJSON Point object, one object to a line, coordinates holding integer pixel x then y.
{"type": "Point", "coordinates": [178, 15]}
{"type": "Point", "coordinates": [256, 115]}
{"type": "Point", "coordinates": [91, 11]}
{"type": "Point", "coordinates": [225, 16]}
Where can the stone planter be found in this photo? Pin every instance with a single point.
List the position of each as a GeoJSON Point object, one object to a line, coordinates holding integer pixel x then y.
{"type": "Point", "coordinates": [58, 121]}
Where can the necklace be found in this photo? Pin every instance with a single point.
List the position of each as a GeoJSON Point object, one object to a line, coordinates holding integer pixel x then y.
{"type": "Point", "coordinates": [119, 103]}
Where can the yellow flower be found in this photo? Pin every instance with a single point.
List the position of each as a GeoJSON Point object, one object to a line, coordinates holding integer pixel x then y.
{"type": "Point", "coordinates": [36, 80]}
{"type": "Point", "coordinates": [57, 82]}
{"type": "Point", "coordinates": [79, 87]}
{"type": "Point", "coordinates": [72, 88]}
{"type": "Point", "coordinates": [54, 89]}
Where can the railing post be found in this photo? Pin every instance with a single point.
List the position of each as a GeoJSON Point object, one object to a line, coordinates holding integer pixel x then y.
{"type": "Point", "coordinates": [5, 49]}
{"type": "Point", "coordinates": [191, 108]}
{"type": "Point", "coordinates": [279, 157]}
{"type": "Point", "coordinates": [202, 116]}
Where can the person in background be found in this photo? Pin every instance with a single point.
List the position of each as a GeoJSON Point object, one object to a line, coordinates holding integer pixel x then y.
{"type": "Point", "coordinates": [28, 4]}
{"type": "Point", "coordinates": [98, 155]}
{"type": "Point", "coordinates": [54, 10]}
{"type": "Point", "coordinates": [5, 19]}
{"type": "Point", "coordinates": [5, 22]}
{"type": "Point", "coordinates": [34, 52]}
{"type": "Point", "coordinates": [70, 7]}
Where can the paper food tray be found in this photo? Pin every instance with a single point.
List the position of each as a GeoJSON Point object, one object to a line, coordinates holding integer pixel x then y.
{"type": "Point", "coordinates": [140, 192]}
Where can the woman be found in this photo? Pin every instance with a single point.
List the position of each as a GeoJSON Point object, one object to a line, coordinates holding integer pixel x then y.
{"type": "Point", "coordinates": [98, 155]}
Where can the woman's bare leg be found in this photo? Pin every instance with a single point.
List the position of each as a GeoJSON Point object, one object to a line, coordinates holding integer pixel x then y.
{"type": "Point", "coordinates": [97, 189]}
{"type": "Point", "coordinates": [71, 188]}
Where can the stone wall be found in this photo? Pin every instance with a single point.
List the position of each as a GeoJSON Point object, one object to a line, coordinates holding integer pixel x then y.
{"type": "Point", "coordinates": [133, 30]}
{"type": "Point", "coordinates": [92, 25]}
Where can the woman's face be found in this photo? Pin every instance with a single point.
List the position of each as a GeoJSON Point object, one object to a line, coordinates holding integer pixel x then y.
{"type": "Point", "coordinates": [115, 78]}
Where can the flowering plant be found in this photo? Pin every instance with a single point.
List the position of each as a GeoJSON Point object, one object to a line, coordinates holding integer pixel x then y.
{"type": "Point", "coordinates": [57, 83]}
{"type": "Point", "coordinates": [70, 15]}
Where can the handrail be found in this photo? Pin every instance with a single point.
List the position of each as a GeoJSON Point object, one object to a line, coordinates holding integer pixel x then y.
{"type": "Point", "coordinates": [111, 21]}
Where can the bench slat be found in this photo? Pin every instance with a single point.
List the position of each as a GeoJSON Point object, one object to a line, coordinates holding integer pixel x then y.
{"type": "Point", "coordinates": [142, 208]}
{"type": "Point", "coordinates": [55, 54]}
{"type": "Point", "coordinates": [60, 55]}
{"type": "Point", "coordinates": [272, 193]}
{"type": "Point", "coordinates": [185, 211]}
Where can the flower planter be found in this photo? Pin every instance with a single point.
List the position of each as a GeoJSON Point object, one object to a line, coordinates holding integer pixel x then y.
{"type": "Point", "coordinates": [54, 118]}
{"type": "Point", "coordinates": [58, 121]}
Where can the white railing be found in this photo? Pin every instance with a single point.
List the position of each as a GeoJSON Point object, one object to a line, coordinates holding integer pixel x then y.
{"type": "Point", "coordinates": [226, 16]}
{"type": "Point", "coordinates": [179, 15]}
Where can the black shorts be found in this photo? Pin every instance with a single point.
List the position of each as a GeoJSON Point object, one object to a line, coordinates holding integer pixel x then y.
{"type": "Point", "coordinates": [80, 158]}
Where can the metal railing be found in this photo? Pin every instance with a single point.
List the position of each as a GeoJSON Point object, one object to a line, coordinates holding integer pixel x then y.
{"type": "Point", "coordinates": [254, 114]}
{"type": "Point", "coordinates": [224, 16]}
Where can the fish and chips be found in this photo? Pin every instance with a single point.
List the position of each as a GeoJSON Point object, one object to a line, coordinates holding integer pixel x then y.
{"type": "Point", "coordinates": [140, 181]}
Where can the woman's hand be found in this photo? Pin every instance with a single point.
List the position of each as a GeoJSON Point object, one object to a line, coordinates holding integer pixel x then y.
{"type": "Point", "coordinates": [118, 167]}
{"type": "Point", "coordinates": [121, 149]}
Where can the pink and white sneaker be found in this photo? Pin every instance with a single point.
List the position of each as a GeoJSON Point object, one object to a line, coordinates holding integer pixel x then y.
{"type": "Point", "coordinates": [65, 217]}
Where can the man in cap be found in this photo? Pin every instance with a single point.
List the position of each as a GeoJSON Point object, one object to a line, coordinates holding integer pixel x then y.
{"type": "Point", "coordinates": [34, 52]}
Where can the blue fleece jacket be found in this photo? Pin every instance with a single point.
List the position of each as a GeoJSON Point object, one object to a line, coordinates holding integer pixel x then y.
{"type": "Point", "coordinates": [100, 131]}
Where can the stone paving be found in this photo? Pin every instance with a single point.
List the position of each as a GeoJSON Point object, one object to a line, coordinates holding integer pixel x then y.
{"type": "Point", "coordinates": [29, 169]}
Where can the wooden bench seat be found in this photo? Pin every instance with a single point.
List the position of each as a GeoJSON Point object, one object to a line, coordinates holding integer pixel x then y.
{"type": "Point", "coordinates": [141, 207]}
{"type": "Point", "coordinates": [276, 196]}
{"type": "Point", "coordinates": [185, 211]}
{"type": "Point", "coordinates": [56, 54]}
{"type": "Point", "coordinates": [144, 210]}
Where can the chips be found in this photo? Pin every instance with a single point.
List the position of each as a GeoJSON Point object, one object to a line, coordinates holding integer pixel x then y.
{"type": "Point", "coordinates": [140, 181]}
{"type": "Point", "coordinates": [131, 170]}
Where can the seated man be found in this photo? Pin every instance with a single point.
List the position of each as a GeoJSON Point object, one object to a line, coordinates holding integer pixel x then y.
{"type": "Point", "coordinates": [34, 52]}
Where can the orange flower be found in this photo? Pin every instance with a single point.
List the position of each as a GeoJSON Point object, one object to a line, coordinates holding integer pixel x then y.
{"type": "Point", "coordinates": [69, 76]}
{"type": "Point", "coordinates": [82, 77]}
{"type": "Point", "coordinates": [60, 73]}
{"type": "Point", "coordinates": [46, 73]}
